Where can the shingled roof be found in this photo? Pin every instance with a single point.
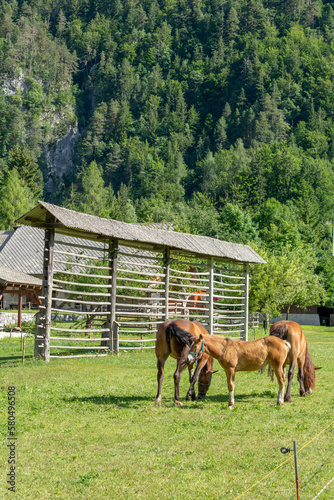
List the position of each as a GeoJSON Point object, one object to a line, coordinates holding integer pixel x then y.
{"type": "Point", "coordinates": [10, 276]}
{"type": "Point", "coordinates": [24, 251]}
{"type": "Point", "coordinates": [95, 228]}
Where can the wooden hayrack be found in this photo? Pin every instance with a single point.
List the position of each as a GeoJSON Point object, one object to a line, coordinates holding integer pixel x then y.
{"type": "Point", "coordinates": [101, 296]}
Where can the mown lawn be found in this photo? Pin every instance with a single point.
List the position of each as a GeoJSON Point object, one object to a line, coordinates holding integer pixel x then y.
{"type": "Point", "coordinates": [89, 428]}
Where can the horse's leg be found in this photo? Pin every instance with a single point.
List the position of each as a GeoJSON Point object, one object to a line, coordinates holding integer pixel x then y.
{"type": "Point", "coordinates": [280, 379]}
{"type": "Point", "coordinates": [160, 377]}
{"type": "Point", "coordinates": [191, 393]}
{"type": "Point", "coordinates": [230, 375]}
{"type": "Point", "coordinates": [181, 364]}
{"type": "Point", "coordinates": [191, 390]}
{"type": "Point", "coordinates": [291, 372]}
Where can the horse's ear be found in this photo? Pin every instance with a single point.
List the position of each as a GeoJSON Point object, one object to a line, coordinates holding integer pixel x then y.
{"type": "Point", "coordinates": [213, 371]}
{"type": "Point", "coordinates": [317, 367]}
{"type": "Point", "coordinates": [194, 338]}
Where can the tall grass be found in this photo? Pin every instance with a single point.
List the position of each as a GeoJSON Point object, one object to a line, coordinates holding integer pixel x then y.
{"type": "Point", "coordinates": [89, 428]}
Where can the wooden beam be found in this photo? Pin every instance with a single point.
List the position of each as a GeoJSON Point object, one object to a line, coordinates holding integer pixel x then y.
{"type": "Point", "coordinates": [167, 272]}
{"type": "Point", "coordinates": [246, 300]}
{"type": "Point", "coordinates": [19, 316]}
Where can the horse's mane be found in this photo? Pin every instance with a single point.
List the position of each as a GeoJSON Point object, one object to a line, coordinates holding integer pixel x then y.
{"type": "Point", "coordinates": [280, 331]}
{"type": "Point", "coordinates": [182, 336]}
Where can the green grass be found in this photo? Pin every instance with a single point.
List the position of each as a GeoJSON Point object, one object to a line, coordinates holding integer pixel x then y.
{"type": "Point", "coordinates": [89, 428]}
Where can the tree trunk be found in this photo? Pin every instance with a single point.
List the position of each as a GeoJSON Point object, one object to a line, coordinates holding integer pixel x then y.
{"type": "Point", "coordinates": [266, 322]}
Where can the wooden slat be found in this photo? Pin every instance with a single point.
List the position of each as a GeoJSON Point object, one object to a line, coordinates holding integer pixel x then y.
{"type": "Point", "coordinates": [78, 301]}
{"type": "Point", "coordinates": [152, 282]}
{"type": "Point", "coordinates": [128, 323]}
{"type": "Point", "coordinates": [69, 339]}
{"type": "Point", "coordinates": [188, 294]}
{"type": "Point", "coordinates": [142, 306]}
{"type": "Point", "coordinates": [85, 285]}
{"type": "Point", "coordinates": [70, 347]}
{"type": "Point", "coordinates": [77, 330]}
{"type": "Point", "coordinates": [198, 287]}
{"type": "Point", "coordinates": [75, 292]}
{"type": "Point", "coordinates": [139, 314]}
{"type": "Point", "coordinates": [138, 289]}
{"type": "Point", "coordinates": [73, 311]}
{"type": "Point", "coordinates": [74, 264]}
{"type": "Point", "coordinates": [78, 245]}
{"type": "Point", "coordinates": [137, 348]}
{"type": "Point", "coordinates": [79, 356]}
{"type": "Point", "coordinates": [139, 298]}
{"type": "Point", "coordinates": [145, 273]}
{"type": "Point", "coordinates": [71, 273]}
{"type": "Point", "coordinates": [137, 340]}
{"type": "Point", "coordinates": [148, 257]}
{"type": "Point", "coordinates": [79, 256]}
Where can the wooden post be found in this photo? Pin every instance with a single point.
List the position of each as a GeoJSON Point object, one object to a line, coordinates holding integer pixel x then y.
{"type": "Point", "coordinates": [115, 327]}
{"type": "Point", "coordinates": [210, 297]}
{"type": "Point", "coordinates": [42, 346]}
{"type": "Point", "coordinates": [24, 349]}
{"type": "Point", "coordinates": [246, 299]}
{"type": "Point", "coordinates": [113, 259]}
{"type": "Point", "coordinates": [167, 267]}
{"type": "Point", "coordinates": [19, 315]}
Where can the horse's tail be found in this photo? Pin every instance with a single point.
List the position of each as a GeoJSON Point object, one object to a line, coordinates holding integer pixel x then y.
{"type": "Point", "coordinates": [309, 371]}
{"type": "Point", "coordinates": [280, 331]}
{"type": "Point", "coordinates": [182, 336]}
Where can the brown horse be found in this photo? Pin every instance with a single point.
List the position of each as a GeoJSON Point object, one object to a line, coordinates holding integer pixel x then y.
{"type": "Point", "coordinates": [293, 333]}
{"type": "Point", "coordinates": [236, 355]}
{"type": "Point", "coordinates": [174, 339]}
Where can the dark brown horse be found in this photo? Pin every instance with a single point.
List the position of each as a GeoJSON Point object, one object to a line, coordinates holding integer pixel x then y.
{"type": "Point", "coordinates": [236, 355]}
{"type": "Point", "coordinates": [292, 332]}
{"type": "Point", "coordinates": [174, 339]}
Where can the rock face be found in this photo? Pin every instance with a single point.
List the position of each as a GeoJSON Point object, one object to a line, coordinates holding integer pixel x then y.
{"type": "Point", "coordinates": [14, 84]}
{"type": "Point", "coordinates": [59, 158]}
{"type": "Point", "coordinates": [58, 126]}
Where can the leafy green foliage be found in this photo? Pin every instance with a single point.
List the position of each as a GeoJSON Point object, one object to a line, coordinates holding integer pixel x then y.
{"type": "Point", "coordinates": [215, 116]}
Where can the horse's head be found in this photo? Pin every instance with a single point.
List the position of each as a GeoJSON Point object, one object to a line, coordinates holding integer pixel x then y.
{"type": "Point", "coordinates": [197, 346]}
{"type": "Point", "coordinates": [205, 376]}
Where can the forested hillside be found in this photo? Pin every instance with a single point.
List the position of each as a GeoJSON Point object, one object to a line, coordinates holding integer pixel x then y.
{"type": "Point", "coordinates": [215, 115]}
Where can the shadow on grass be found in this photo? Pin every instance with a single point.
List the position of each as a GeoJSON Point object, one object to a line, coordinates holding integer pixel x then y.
{"type": "Point", "coordinates": [10, 360]}
{"type": "Point", "coordinates": [121, 401]}
{"type": "Point", "coordinates": [221, 398]}
{"type": "Point", "coordinates": [129, 401]}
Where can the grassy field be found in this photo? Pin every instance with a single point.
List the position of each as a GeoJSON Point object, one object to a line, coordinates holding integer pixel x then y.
{"type": "Point", "coordinates": [89, 428]}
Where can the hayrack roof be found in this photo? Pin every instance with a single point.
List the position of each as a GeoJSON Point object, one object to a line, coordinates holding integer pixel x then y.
{"type": "Point", "coordinates": [91, 227]}
{"type": "Point", "coordinates": [10, 276]}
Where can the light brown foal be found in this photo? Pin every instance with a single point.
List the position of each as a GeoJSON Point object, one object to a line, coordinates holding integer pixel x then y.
{"type": "Point", "coordinates": [236, 355]}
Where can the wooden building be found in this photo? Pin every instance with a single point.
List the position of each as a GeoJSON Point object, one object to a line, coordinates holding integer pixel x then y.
{"type": "Point", "coordinates": [16, 283]}
{"type": "Point", "coordinates": [176, 274]}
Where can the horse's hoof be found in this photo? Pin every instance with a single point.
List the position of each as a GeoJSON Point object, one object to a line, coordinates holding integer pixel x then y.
{"type": "Point", "coordinates": [178, 403]}
{"type": "Point", "coordinates": [158, 402]}
{"type": "Point", "coordinates": [302, 394]}
{"type": "Point", "coordinates": [287, 399]}
{"type": "Point", "coordinates": [193, 397]}
{"type": "Point", "coordinates": [230, 407]}
{"type": "Point", "coordinates": [187, 397]}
